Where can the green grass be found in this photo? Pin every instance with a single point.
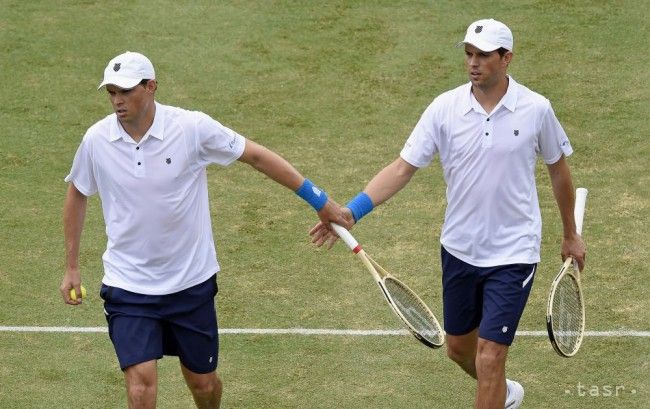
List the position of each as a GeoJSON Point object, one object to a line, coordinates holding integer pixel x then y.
{"type": "Point", "coordinates": [335, 87]}
{"type": "Point", "coordinates": [320, 372]}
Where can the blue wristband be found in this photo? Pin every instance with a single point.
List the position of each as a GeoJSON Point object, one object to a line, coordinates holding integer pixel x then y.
{"type": "Point", "coordinates": [312, 194]}
{"type": "Point", "coordinates": [360, 206]}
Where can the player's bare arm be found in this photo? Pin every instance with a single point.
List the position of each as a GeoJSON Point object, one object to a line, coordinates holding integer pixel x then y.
{"type": "Point", "coordinates": [271, 164]}
{"type": "Point", "coordinates": [281, 171]}
{"type": "Point", "coordinates": [572, 244]}
{"type": "Point", "coordinates": [74, 214]}
{"type": "Point", "coordinates": [390, 180]}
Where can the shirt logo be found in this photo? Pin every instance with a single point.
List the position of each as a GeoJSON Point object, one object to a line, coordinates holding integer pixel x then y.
{"type": "Point", "coordinates": [516, 132]}
{"type": "Point", "coordinates": [168, 160]}
{"type": "Point", "coordinates": [117, 66]}
{"type": "Point", "coordinates": [504, 329]}
{"type": "Point", "coordinates": [478, 29]}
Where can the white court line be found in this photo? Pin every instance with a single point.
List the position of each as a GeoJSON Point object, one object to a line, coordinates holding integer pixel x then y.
{"type": "Point", "coordinates": [323, 331]}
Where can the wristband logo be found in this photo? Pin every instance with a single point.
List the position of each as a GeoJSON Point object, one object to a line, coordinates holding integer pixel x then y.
{"type": "Point", "coordinates": [313, 195]}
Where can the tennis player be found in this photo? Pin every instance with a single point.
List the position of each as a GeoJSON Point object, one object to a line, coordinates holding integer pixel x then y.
{"type": "Point", "coordinates": [147, 162]}
{"type": "Point", "coordinates": [488, 134]}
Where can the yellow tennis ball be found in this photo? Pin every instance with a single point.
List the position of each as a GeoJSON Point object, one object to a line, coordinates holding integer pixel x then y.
{"type": "Point", "coordinates": [73, 294]}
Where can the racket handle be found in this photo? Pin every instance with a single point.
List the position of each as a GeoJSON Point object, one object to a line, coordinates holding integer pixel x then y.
{"type": "Point", "coordinates": [345, 235]}
{"type": "Point", "coordinates": [579, 210]}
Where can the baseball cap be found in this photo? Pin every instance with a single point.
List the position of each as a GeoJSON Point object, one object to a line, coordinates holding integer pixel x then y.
{"type": "Point", "coordinates": [127, 70]}
{"type": "Point", "coordinates": [488, 35]}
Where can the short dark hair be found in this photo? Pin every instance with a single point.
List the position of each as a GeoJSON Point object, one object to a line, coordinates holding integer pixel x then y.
{"type": "Point", "coordinates": [144, 82]}
{"type": "Point", "coordinates": [502, 51]}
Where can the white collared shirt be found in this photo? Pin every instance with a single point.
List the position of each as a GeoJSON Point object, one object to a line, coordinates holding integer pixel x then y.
{"type": "Point", "coordinates": [488, 161]}
{"type": "Point", "coordinates": [154, 197]}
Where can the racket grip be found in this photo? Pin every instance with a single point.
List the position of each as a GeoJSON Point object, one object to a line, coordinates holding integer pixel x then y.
{"type": "Point", "coordinates": [579, 209]}
{"type": "Point", "coordinates": [345, 235]}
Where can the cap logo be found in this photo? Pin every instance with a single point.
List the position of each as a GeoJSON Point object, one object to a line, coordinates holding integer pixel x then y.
{"type": "Point", "coordinates": [117, 66]}
{"type": "Point", "coordinates": [516, 132]}
{"type": "Point", "coordinates": [478, 29]}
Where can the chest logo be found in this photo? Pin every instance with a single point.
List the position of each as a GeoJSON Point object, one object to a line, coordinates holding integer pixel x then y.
{"type": "Point", "coordinates": [478, 29]}
{"type": "Point", "coordinates": [117, 66]}
{"type": "Point", "coordinates": [168, 160]}
{"type": "Point", "coordinates": [516, 132]}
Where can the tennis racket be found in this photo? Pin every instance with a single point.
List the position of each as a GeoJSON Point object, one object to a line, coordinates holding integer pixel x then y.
{"type": "Point", "coordinates": [565, 313]}
{"type": "Point", "coordinates": [405, 303]}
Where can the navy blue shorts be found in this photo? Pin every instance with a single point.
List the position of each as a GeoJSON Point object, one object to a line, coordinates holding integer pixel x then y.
{"type": "Point", "coordinates": [491, 299]}
{"type": "Point", "coordinates": [146, 327]}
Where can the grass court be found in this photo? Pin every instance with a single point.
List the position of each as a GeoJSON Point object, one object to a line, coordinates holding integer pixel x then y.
{"type": "Point", "coordinates": [335, 87]}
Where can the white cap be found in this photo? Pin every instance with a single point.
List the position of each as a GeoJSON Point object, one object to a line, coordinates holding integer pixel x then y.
{"type": "Point", "coordinates": [127, 70]}
{"type": "Point", "coordinates": [488, 35]}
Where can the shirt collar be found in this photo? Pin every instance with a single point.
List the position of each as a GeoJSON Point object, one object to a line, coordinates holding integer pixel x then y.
{"type": "Point", "coordinates": [157, 129]}
{"type": "Point", "coordinates": [466, 103]}
{"type": "Point", "coordinates": [509, 100]}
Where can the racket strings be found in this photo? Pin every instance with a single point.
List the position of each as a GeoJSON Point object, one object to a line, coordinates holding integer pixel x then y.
{"type": "Point", "coordinates": [414, 311]}
{"type": "Point", "coordinates": [568, 320]}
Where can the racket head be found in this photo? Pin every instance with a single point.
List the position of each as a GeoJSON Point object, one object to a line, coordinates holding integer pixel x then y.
{"type": "Point", "coordinates": [413, 312]}
{"type": "Point", "coordinates": [404, 302]}
{"type": "Point", "coordinates": [565, 316]}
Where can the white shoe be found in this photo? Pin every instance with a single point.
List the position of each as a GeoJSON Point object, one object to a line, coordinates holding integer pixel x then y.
{"type": "Point", "coordinates": [514, 394]}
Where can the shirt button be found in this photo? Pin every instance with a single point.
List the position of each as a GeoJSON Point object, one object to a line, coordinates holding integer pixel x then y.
{"type": "Point", "coordinates": [138, 163]}
{"type": "Point", "coordinates": [487, 133]}
{"type": "Point", "coordinates": [488, 119]}
{"type": "Point", "coordinates": [137, 148]}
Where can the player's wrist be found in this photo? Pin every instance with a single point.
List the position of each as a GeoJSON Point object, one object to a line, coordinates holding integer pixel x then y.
{"type": "Point", "coordinates": [360, 206]}
{"type": "Point", "coordinates": [570, 234]}
{"type": "Point", "coordinates": [312, 194]}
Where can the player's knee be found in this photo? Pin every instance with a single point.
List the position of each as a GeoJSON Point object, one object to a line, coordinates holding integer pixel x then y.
{"type": "Point", "coordinates": [453, 354]}
{"type": "Point", "coordinates": [490, 355]}
{"type": "Point", "coordinates": [140, 391]}
{"type": "Point", "coordinates": [206, 386]}
{"type": "Point", "coordinates": [141, 382]}
{"type": "Point", "coordinates": [458, 353]}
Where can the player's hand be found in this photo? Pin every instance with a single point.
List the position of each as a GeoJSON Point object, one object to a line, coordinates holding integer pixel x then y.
{"type": "Point", "coordinates": [71, 279]}
{"type": "Point", "coordinates": [575, 247]}
{"type": "Point", "coordinates": [331, 213]}
{"type": "Point", "coordinates": [322, 233]}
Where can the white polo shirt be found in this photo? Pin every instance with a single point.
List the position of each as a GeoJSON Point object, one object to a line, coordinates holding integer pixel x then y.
{"type": "Point", "coordinates": [154, 197]}
{"type": "Point", "coordinates": [488, 160]}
